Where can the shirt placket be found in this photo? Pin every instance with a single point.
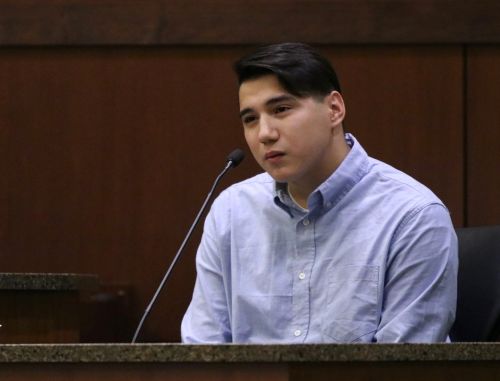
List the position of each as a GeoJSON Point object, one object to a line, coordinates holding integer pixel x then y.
{"type": "Point", "coordinates": [303, 261]}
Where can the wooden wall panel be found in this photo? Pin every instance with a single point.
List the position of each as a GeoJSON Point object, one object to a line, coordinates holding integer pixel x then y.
{"type": "Point", "coordinates": [155, 22]}
{"type": "Point", "coordinates": [483, 135]}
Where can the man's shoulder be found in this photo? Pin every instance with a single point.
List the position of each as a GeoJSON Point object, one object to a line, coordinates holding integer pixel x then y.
{"type": "Point", "coordinates": [400, 184]}
{"type": "Point", "coordinates": [242, 200]}
{"type": "Point", "coordinates": [258, 187]}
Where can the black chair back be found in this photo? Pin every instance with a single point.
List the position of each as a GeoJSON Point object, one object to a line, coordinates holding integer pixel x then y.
{"type": "Point", "coordinates": [478, 304]}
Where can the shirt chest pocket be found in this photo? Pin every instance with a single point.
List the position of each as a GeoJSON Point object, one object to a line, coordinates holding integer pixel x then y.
{"type": "Point", "coordinates": [352, 303]}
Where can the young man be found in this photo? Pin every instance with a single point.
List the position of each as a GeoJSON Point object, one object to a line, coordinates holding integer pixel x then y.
{"type": "Point", "coordinates": [329, 245]}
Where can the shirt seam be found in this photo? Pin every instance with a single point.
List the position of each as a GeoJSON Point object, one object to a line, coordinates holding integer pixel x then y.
{"type": "Point", "coordinates": [410, 215]}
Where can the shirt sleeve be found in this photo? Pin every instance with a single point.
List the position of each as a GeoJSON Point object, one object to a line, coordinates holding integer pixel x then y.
{"type": "Point", "coordinates": [207, 317]}
{"type": "Point", "coordinates": [420, 289]}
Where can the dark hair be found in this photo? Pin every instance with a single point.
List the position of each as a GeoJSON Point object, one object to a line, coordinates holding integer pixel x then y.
{"type": "Point", "coordinates": [300, 69]}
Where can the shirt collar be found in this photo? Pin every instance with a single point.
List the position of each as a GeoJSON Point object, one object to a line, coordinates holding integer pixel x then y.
{"type": "Point", "coordinates": [334, 188]}
{"type": "Point", "coordinates": [282, 198]}
{"type": "Point", "coordinates": [350, 172]}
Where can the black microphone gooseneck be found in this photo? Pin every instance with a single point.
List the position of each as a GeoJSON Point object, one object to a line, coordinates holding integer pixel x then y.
{"type": "Point", "coordinates": [233, 159]}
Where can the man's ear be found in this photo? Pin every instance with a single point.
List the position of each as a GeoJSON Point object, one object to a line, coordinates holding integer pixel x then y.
{"type": "Point", "coordinates": [336, 107]}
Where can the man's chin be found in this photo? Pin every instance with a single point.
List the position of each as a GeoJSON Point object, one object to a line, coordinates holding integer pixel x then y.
{"type": "Point", "coordinates": [279, 177]}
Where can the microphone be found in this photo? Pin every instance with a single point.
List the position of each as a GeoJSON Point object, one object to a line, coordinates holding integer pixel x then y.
{"type": "Point", "coordinates": [233, 160]}
{"type": "Point", "coordinates": [236, 157]}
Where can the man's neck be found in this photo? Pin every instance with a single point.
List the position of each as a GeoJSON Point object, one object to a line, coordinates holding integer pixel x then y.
{"type": "Point", "coordinates": [299, 198]}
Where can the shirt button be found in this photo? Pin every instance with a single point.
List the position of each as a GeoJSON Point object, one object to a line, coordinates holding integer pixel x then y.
{"type": "Point", "coordinates": [302, 276]}
{"type": "Point", "coordinates": [297, 332]}
{"type": "Point", "coordinates": [305, 222]}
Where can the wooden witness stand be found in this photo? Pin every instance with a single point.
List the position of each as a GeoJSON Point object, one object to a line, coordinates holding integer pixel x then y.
{"type": "Point", "coordinates": [250, 362]}
{"type": "Point", "coordinates": [42, 308]}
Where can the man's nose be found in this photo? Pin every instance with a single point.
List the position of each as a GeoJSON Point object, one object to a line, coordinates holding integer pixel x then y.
{"type": "Point", "coordinates": [267, 130]}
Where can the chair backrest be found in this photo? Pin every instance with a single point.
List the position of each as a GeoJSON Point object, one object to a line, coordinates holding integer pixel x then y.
{"type": "Point", "coordinates": [478, 304]}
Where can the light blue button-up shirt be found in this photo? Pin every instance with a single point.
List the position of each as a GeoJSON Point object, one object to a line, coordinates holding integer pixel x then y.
{"type": "Point", "coordinates": [372, 259]}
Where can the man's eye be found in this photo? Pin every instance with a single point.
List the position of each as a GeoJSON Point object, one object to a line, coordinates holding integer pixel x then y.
{"type": "Point", "coordinates": [280, 109]}
{"type": "Point", "coordinates": [248, 119]}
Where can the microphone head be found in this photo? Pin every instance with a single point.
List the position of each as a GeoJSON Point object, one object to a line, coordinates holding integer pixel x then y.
{"type": "Point", "coordinates": [236, 157]}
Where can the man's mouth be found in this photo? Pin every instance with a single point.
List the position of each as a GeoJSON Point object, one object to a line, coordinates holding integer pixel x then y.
{"type": "Point", "coordinates": [273, 154]}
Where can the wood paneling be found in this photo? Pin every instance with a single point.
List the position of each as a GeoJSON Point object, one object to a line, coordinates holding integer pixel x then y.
{"type": "Point", "coordinates": [140, 371]}
{"type": "Point", "coordinates": [407, 370]}
{"type": "Point", "coordinates": [33, 316]}
{"type": "Point", "coordinates": [269, 370]}
{"type": "Point", "coordinates": [483, 135]}
{"type": "Point", "coordinates": [157, 22]}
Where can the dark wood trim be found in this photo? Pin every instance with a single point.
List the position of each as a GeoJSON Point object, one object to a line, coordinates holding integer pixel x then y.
{"type": "Point", "coordinates": [222, 22]}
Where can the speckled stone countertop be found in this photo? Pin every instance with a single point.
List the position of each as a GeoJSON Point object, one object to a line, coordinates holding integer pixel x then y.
{"type": "Point", "coordinates": [158, 353]}
{"type": "Point", "coordinates": [47, 281]}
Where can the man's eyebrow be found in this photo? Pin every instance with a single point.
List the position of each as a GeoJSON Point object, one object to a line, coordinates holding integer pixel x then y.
{"type": "Point", "coordinates": [279, 98]}
{"type": "Point", "coordinates": [245, 111]}
{"type": "Point", "coordinates": [269, 102]}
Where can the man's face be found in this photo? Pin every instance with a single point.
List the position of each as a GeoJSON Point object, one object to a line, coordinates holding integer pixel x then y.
{"type": "Point", "coordinates": [291, 138]}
